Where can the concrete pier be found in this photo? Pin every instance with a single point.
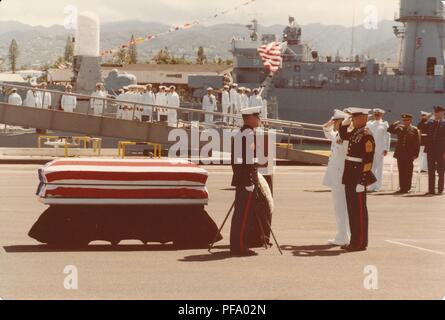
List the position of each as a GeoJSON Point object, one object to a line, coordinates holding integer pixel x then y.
{"type": "Point", "coordinates": [407, 249]}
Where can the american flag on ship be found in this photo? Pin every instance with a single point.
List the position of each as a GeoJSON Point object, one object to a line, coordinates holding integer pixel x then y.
{"type": "Point", "coordinates": [272, 55]}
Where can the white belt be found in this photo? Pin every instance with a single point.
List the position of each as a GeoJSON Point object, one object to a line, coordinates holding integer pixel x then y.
{"type": "Point", "coordinates": [352, 159]}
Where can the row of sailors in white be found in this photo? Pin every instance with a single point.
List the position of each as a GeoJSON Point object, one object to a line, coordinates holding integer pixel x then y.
{"type": "Point", "coordinates": [141, 100]}
{"type": "Point", "coordinates": [233, 101]}
{"type": "Point", "coordinates": [34, 98]}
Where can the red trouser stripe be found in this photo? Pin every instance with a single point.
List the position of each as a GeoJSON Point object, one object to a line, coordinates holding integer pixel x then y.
{"type": "Point", "coordinates": [246, 216]}
{"type": "Point", "coordinates": [362, 227]}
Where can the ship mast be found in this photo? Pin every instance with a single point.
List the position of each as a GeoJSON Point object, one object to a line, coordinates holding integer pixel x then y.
{"type": "Point", "coordinates": [353, 34]}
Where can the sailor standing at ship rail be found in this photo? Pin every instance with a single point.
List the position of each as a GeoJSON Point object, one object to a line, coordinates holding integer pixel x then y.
{"type": "Point", "coordinates": [30, 100]}
{"type": "Point", "coordinates": [68, 102]}
{"type": "Point", "coordinates": [209, 104]}
{"type": "Point", "coordinates": [358, 175]}
{"type": "Point", "coordinates": [244, 99]}
{"type": "Point", "coordinates": [99, 105]}
{"type": "Point", "coordinates": [334, 175]}
{"type": "Point", "coordinates": [255, 100]}
{"type": "Point", "coordinates": [245, 179]}
{"type": "Point", "coordinates": [173, 100]}
{"type": "Point", "coordinates": [382, 138]}
{"type": "Point", "coordinates": [161, 101]}
{"type": "Point", "coordinates": [14, 98]}
{"type": "Point", "coordinates": [234, 101]}
{"type": "Point", "coordinates": [43, 100]}
{"type": "Point", "coordinates": [148, 97]}
{"type": "Point", "coordinates": [225, 102]}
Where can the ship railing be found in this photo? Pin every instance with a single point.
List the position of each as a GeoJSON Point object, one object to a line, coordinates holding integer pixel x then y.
{"type": "Point", "coordinates": [295, 132]}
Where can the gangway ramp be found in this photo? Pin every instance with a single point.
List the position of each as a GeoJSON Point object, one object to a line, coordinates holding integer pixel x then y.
{"type": "Point", "coordinates": [107, 125]}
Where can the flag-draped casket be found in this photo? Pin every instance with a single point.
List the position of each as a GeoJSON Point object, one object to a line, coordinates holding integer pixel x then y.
{"type": "Point", "coordinates": [113, 200]}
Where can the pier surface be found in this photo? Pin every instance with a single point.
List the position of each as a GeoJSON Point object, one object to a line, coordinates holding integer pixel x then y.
{"type": "Point", "coordinates": [406, 253]}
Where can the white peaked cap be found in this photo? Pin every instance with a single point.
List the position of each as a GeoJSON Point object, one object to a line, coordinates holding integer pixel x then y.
{"type": "Point", "coordinates": [378, 110]}
{"type": "Point", "coordinates": [359, 111]}
{"type": "Point", "coordinates": [338, 114]}
{"type": "Point", "coordinates": [250, 111]}
{"type": "Point", "coordinates": [424, 113]}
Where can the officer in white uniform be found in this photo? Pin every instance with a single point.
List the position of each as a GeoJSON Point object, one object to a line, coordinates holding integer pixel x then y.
{"type": "Point", "coordinates": [225, 102]}
{"type": "Point", "coordinates": [255, 100]}
{"type": "Point", "coordinates": [209, 104]}
{"type": "Point", "coordinates": [161, 101]}
{"type": "Point", "coordinates": [68, 103]}
{"type": "Point", "coordinates": [244, 98]}
{"type": "Point", "coordinates": [173, 100]}
{"type": "Point", "coordinates": [334, 176]}
{"type": "Point", "coordinates": [379, 129]}
{"type": "Point", "coordinates": [98, 105]}
{"type": "Point", "coordinates": [43, 98]}
{"type": "Point", "coordinates": [120, 105]}
{"type": "Point", "coordinates": [234, 101]}
{"type": "Point", "coordinates": [127, 113]}
{"type": "Point", "coordinates": [424, 116]}
{"type": "Point", "coordinates": [30, 100]}
{"type": "Point", "coordinates": [14, 98]}
{"type": "Point", "coordinates": [148, 97]}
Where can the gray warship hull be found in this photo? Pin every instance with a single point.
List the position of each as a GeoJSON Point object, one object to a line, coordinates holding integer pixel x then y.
{"type": "Point", "coordinates": [316, 105]}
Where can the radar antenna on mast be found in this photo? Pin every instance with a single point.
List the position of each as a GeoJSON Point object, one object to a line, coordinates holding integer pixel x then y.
{"type": "Point", "coordinates": [253, 27]}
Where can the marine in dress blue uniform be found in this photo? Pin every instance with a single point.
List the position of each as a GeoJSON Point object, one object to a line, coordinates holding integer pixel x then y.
{"type": "Point", "coordinates": [434, 131]}
{"type": "Point", "coordinates": [245, 179]}
{"type": "Point", "coordinates": [358, 175]}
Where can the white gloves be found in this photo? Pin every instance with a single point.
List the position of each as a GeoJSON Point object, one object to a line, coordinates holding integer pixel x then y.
{"type": "Point", "coordinates": [360, 188]}
{"type": "Point", "coordinates": [251, 188]}
{"type": "Point", "coordinates": [347, 122]}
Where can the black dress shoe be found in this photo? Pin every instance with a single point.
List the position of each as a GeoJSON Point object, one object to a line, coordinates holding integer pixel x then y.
{"type": "Point", "coordinates": [430, 194]}
{"type": "Point", "coordinates": [353, 249]}
{"type": "Point", "coordinates": [248, 253]}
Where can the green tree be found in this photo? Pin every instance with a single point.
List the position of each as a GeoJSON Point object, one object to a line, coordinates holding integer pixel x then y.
{"type": "Point", "coordinates": [132, 51]}
{"type": "Point", "coordinates": [69, 49]}
{"type": "Point", "coordinates": [163, 57]}
{"type": "Point", "coordinates": [13, 55]}
{"type": "Point", "coordinates": [201, 57]}
{"type": "Point", "coordinates": [121, 56]}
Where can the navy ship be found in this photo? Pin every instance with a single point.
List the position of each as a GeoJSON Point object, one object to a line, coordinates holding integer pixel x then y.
{"type": "Point", "coordinates": [307, 88]}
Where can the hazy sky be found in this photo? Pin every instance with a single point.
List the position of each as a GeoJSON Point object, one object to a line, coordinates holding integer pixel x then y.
{"type": "Point", "coordinates": [176, 12]}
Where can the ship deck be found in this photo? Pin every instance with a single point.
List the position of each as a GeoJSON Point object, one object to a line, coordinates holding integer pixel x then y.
{"type": "Point", "coordinates": [407, 248]}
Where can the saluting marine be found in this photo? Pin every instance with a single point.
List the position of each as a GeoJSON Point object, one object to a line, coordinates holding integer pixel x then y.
{"type": "Point", "coordinates": [358, 175]}
{"type": "Point", "coordinates": [407, 150]}
{"type": "Point", "coordinates": [245, 179]}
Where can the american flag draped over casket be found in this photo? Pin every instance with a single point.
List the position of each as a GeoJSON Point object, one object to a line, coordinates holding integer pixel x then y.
{"type": "Point", "coordinates": [127, 182]}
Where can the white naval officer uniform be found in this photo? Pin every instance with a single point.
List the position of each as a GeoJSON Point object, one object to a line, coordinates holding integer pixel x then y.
{"type": "Point", "coordinates": [333, 179]}
{"type": "Point", "coordinates": [172, 114]}
{"type": "Point", "coordinates": [68, 103]}
{"type": "Point", "coordinates": [98, 105]}
{"type": "Point", "coordinates": [379, 130]}
{"type": "Point", "coordinates": [209, 105]}
{"type": "Point", "coordinates": [225, 104]}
